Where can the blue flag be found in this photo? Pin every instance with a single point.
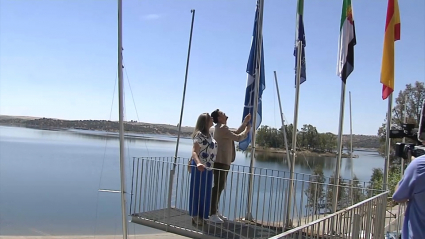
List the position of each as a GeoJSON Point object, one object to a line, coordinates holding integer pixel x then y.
{"type": "Point", "coordinates": [300, 37]}
{"type": "Point", "coordinates": [250, 86]}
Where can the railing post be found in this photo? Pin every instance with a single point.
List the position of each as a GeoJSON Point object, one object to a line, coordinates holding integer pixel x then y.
{"type": "Point", "coordinates": [368, 207]}
{"type": "Point", "coordinates": [380, 218]}
{"type": "Point", "coordinates": [170, 191]}
{"type": "Point", "coordinates": [356, 226]}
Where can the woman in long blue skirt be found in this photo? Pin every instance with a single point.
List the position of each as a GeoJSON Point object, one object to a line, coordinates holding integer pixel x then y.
{"type": "Point", "coordinates": [200, 192]}
{"type": "Point", "coordinates": [203, 156]}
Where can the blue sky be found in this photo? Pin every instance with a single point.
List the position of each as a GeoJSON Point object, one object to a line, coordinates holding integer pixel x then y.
{"type": "Point", "coordinates": [59, 59]}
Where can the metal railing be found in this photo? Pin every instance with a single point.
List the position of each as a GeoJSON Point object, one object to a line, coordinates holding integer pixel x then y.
{"type": "Point", "coordinates": [362, 220]}
{"type": "Point", "coordinates": [311, 197]}
{"type": "Point", "coordinates": [394, 219]}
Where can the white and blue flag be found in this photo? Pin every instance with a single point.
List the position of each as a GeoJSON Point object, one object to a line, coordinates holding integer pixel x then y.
{"type": "Point", "coordinates": [250, 86]}
{"type": "Point", "coordinates": [300, 37]}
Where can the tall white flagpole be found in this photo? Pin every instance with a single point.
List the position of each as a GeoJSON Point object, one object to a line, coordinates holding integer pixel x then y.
{"type": "Point", "coordinates": [258, 70]}
{"type": "Point", "coordinates": [173, 170]}
{"type": "Point", "coordinates": [387, 143]}
{"type": "Point", "coordinates": [351, 151]}
{"type": "Point", "coordinates": [294, 133]}
{"type": "Point", "coordinates": [121, 121]}
{"type": "Point", "coordinates": [339, 150]}
{"type": "Point", "coordinates": [289, 194]}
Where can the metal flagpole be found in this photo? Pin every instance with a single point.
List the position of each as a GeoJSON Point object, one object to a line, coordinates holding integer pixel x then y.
{"type": "Point", "coordinates": [294, 132]}
{"type": "Point", "coordinates": [255, 108]}
{"type": "Point", "coordinates": [339, 150]}
{"type": "Point", "coordinates": [170, 186]}
{"type": "Point", "coordinates": [284, 135]}
{"type": "Point", "coordinates": [404, 138]}
{"type": "Point", "coordinates": [388, 143]}
{"type": "Point", "coordinates": [184, 87]}
{"type": "Point", "coordinates": [351, 150]}
{"type": "Point", "coordinates": [402, 160]}
{"type": "Point", "coordinates": [121, 121]}
{"type": "Point", "coordinates": [281, 118]}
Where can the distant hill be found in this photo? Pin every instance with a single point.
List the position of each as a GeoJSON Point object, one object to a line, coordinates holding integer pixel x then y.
{"type": "Point", "coordinates": [359, 141]}
{"type": "Point", "coordinates": [102, 125]}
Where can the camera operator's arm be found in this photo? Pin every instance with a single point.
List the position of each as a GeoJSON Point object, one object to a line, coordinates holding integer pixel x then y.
{"type": "Point", "coordinates": [404, 188]}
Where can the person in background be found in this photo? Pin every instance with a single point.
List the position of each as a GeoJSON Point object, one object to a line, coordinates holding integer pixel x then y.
{"type": "Point", "coordinates": [225, 156]}
{"type": "Point", "coordinates": [204, 152]}
{"type": "Point", "coordinates": [411, 189]}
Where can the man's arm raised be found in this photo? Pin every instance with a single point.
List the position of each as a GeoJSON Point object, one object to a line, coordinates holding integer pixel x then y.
{"type": "Point", "coordinates": [227, 133]}
{"type": "Point", "coordinates": [244, 124]}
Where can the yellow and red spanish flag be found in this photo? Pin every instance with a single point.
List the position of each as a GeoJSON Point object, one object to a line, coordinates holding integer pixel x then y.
{"type": "Point", "coordinates": [392, 34]}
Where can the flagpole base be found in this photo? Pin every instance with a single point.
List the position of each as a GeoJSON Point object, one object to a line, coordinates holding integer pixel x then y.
{"type": "Point", "coordinates": [249, 217]}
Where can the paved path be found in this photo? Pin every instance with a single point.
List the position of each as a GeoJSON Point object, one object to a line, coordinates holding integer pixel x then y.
{"type": "Point", "coordinates": [144, 236]}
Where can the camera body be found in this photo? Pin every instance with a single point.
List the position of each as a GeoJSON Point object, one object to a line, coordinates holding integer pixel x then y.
{"type": "Point", "coordinates": [402, 150]}
{"type": "Point", "coordinates": [409, 131]}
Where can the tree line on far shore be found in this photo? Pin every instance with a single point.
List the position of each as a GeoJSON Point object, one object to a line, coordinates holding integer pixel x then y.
{"type": "Point", "coordinates": [310, 139]}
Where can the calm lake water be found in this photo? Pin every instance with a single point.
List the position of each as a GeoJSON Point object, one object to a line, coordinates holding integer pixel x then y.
{"type": "Point", "coordinates": [49, 180]}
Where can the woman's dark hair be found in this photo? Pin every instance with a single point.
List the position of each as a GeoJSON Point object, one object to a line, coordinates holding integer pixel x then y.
{"type": "Point", "coordinates": [215, 115]}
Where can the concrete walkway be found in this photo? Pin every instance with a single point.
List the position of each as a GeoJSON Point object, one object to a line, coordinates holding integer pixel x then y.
{"type": "Point", "coordinates": [144, 236]}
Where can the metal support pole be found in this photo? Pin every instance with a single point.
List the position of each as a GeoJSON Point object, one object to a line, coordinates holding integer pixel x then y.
{"type": "Point", "coordinates": [339, 150]}
{"type": "Point", "coordinates": [351, 151]}
{"type": "Point", "coordinates": [282, 119]}
{"type": "Point", "coordinates": [184, 87]}
{"type": "Point", "coordinates": [404, 138]}
{"type": "Point", "coordinates": [172, 171]}
{"type": "Point", "coordinates": [288, 159]}
{"type": "Point", "coordinates": [121, 121]}
{"type": "Point", "coordinates": [254, 116]}
{"type": "Point", "coordinates": [294, 133]}
{"type": "Point", "coordinates": [387, 143]}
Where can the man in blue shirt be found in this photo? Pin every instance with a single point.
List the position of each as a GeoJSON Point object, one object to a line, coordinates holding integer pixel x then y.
{"type": "Point", "coordinates": [411, 188]}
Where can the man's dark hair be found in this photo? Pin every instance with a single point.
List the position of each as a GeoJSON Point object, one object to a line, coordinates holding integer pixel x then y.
{"type": "Point", "coordinates": [215, 115]}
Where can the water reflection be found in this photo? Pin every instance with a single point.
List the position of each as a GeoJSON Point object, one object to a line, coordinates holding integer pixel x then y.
{"type": "Point", "coordinates": [130, 137]}
{"type": "Point", "coordinates": [361, 166]}
{"type": "Point", "coordinates": [308, 162]}
{"type": "Point", "coordinates": [349, 164]}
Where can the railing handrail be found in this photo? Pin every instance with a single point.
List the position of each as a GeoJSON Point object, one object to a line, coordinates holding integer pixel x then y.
{"type": "Point", "coordinates": [277, 170]}
{"type": "Point", "coordinates": [272, 176]}
{"type": "Point", "coordinates": [328, 216]}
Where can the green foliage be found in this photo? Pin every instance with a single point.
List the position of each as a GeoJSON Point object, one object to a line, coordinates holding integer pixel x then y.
{"type": "Point", "coordinates": [356, 192]}
{"type": "Point", "coordinates": [407, 106]}
{"type": "Point", "coordinates": [307, 138]}
{"type": "Point", "coordinates": [376, 180]}
{"type": "Point", "coordinates": [410, 99]}
{"type": "Point", "coordinates": [320, 191]}
{"type": "Point", "coordinates": [344, 191]}
{"type": "Point", "coordinates": [315, 191]}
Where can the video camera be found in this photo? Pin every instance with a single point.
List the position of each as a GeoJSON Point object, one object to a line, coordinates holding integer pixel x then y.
{"type": "Point", "coordinates": [417, 134]}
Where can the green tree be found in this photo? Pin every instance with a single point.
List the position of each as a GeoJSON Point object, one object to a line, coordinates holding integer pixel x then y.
{"type": "Point", "coordinates": [410, 98]}
{"type": "Point", "coordinates": [342, 193]}
{"type": "Point", "coordinates": [407, 104]}
{"type": "Point", "coordinates": [315, 190]}
{"type": "Point", "coordinates": [376, 181]}
{"type": "Point", "coordinates": [313, 137]}
{"type": "Point", "coordinates": [330, 141]}
{"type": "Point", "coordinates": [356, 192]}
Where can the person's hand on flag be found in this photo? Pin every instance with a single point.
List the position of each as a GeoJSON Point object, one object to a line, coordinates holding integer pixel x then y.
{"type": "Point", "coordinates": [247, 119]}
